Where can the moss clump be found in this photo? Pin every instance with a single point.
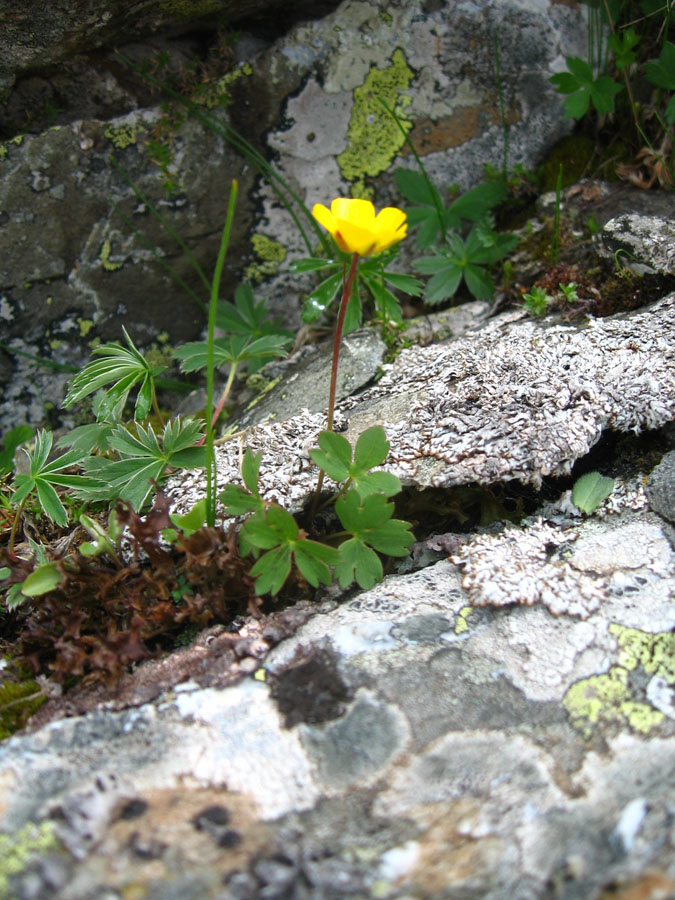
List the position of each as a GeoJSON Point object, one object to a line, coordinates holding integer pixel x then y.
{"type": "Point", "coordinates": [374, 137]}
{"type": "Point", "coordinates": [18, 702]}
{"type": "Point", "coordinates": [574, 154]}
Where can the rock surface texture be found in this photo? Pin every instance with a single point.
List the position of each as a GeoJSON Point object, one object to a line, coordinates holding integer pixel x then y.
{"type": "Point", "coordinates": [73, 270]}
{"type": "Point", "coordinates": [498, 724]}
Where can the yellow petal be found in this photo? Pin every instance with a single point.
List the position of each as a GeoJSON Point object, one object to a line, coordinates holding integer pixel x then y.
{"type": "Point", "coordinates": [360, 212]}
{"type": "Point", "coordinates": [353, 238]}
{"type": "Point", "coordinates": [390, 219]}
{"type": "Point", "coordinates": [324, 217]}
{"type": "Point", "coordinates": [385, 239]}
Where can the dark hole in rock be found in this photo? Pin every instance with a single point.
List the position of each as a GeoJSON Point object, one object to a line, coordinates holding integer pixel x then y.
{"type": "Point", "coordinates": [212, 815]}
{"type": "Point", "coordinates": [310, 691]}
{"type": "Point", "coordinates": [134, 809]}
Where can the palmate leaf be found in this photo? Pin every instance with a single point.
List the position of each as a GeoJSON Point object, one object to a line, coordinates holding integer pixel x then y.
{"type": "Point", "coordinates": [231, 350]}
{"type": "Point", "coordinates": [143, 458]}
{"type": "Point", "coordinates": [334, 456]}
{"type": "Point", "coordinates": [247, 318]}
{"type": "Point", "coordinates": [124, 368]}
{"type": "Point", "coordinates": [370, 522]}
{"type": "Point", "coordinates": [583, 89]}
{"type": "Point", "coordinates": [276, 531]}
{"type": "Point", "coordinates": [43, 475]}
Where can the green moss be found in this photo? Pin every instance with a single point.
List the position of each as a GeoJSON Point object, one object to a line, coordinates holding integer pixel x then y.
{"type": "Point", "coordinates": [373, 136]}
{"type": "Point", "coordinates": [18, 702]}
{"type": "Point", "coordinates": [122, 136]}
{"type": "Point", "coordinates": [574, 153]}
{"type": "Point", "coordinates": [104, 256]}
{"type": "Point", "coordinates": [17, 849]}
{"type": "Point", "coordinates": [607, 698]}
{"type": "Point", "coordinates": [386, 17]}
{"type": "Point", "coordinates": [270, 253]}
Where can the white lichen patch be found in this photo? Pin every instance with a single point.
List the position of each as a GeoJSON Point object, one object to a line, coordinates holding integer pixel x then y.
{"type": "Point", "coordinates": [568, 570]}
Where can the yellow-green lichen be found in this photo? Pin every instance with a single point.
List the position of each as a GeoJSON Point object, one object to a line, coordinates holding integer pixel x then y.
{"type": "Point", "coordinates": [54, 344]}
{"type": "Point", "coordinates": [374, 138]}
{"type": "Point", "coordinates": [85, 326]}
{"type": "Point", "coordinates": [462, 625]}
{"type": "Point", "coordinates": [270, 253]}
{"type": "Point", "coordinates": [17, 849]}
{"type": "Point", "coordinates": [607, 699]}
{"type": "Point", "coordinates": [654, 652]}
{"type": "Point", "coordinates": [104, 256]}
{"type": "Point", "coordinates": [122, 136]}
{"type": "Point", "coordinates": [217, 93]}
{"type": "Point", "coordinates": [4, 148]}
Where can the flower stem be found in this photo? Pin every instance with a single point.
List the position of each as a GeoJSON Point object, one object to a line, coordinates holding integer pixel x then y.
{"type": "Point", "coordinates": [347, 284]}
{"type": "Point", "coordinates": [338, 339]}
{"type": "Point", "coordinates": [215, 285]}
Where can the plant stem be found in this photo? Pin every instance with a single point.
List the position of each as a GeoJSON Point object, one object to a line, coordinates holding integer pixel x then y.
{"type": "Point", "coordinates": [155, 406]}
{"type": "Point", "coordinates": [223, 398]}
{"type": "Point", "coordinates": [347, 284]}
{"type": "Point", "coordinates": [624, 72]}
{"type": "Point", "coordinates": [338, 339]}
{"type": "Point", "coordinates": [15, 523]}
{"type": "Point", "coordinates": [215, 285]}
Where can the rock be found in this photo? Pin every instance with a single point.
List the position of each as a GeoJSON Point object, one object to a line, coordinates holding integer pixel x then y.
{"type": "Point", "coordinates": [74, 271]}
{"type": "Point", "coordinates": [661, 487]}
{"type": "Point", "coordinates": [360, 760]}
{"type": "Point", "coordinates": [36, 37]}
{"type": "Point", "coordinates": [517, 399]}
{"type": "Point", "coordinates": [642, 244]}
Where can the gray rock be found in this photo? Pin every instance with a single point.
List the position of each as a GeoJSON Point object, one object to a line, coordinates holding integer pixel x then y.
{"type": "Point", "coordinates": [517, 399]}
{"type": "Point", "coordinates": [73, 271]}
{"type": "Point", "coordinates": [643, 244]}
{"type": "Point", "coordinates": [661, 487]}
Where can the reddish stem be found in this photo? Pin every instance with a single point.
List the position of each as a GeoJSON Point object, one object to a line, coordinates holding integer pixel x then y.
{"type": "Point", "coordinates": [347, 289]}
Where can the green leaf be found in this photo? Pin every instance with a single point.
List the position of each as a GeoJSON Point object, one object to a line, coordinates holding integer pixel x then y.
{"type": "Point", "coordinates": [321, 298]}
{"type": "Point", "coordinates": [247, 318]}
{"type": "Point", "coordinates": [371, 449]}
{"type": "Point", "coordinates": [415, 188]}
{"type": "Point", "coordinates": [377, 482]}
{"type": "Point", "coordinates": [273, 528]}
{"type": "Point", "coordinates": [591, 490]}
{"type": "Point", "coordinates": [369, 520]}
{"type": "Point", "coordinates": [192, 520]}
{"type": "Point", "coordinates": [622, 47]}
{"type": "Point", "coordinates": [576, 105]}
{"type": "Point", "coordinates": [45, 578]}
{"type": "Point", "coordinates": [661, 72]}
{"type": "Point", "coordinates": [602, 94]}
{"type": "Point", "coordinates": [407, 284]}
{"type": "Point", "coordinates": [16, 436]}
{"type": "Point", "coordinates": [670, 111]}
{"type": "Point", "coordinates": [358, 563]}
{"type": "Point", "coordinates": [249, 470]}
{"type": "Point", "coordinates": [87, 438]}
{"type": "Point", "coordinates": [313, 558]}
{"type": "Point", "coordinates": [272, 570]}
{"type": "Point", "coordinates": [580, 69]}
{"type": "Point", "coordinates": [474, 204]}
{"type": "Point", "coordinates": [311, 264]}
{"type": "Point", "coordinates": [238, 502]}
{"type": "Point", "coordinates": [335, 455]}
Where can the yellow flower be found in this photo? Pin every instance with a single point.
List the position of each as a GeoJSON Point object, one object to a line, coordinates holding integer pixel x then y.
{"type": "Point", "coordinates": [355, 227]}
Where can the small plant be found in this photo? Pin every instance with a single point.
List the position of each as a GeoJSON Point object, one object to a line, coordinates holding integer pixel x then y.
{"type": "Point", "coordinates": [537, 300]}
{"type": "Point", "coordinates": [569, 292]}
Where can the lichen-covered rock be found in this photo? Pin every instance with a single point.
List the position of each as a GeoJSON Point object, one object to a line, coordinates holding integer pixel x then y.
{"type": "Point", "coordinates": [72, 263]}
{"type": "Point", "coordinates": [516, 399]}
{"type": "Point", "coordinates": [358, 758]}
{"type": "Point", "coordinates": [643, 244]}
